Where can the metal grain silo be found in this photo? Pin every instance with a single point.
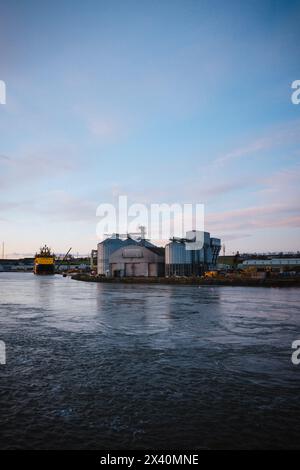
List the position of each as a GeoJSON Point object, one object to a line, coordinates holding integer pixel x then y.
{"type": "Point", "coordinates": [178, 259]}
{"type": "Point", "coordinates": [106, 248]}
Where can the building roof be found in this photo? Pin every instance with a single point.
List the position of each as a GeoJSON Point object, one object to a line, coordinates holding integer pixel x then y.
{"type": "Point", "coordinates": [273, 261]}
{"type": "Point", "coordinates": [157, 250]}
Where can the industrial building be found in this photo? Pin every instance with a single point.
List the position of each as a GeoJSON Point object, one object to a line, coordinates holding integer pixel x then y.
{"type": "Point", "coordinates": [115, 258]}
{"type": "Point", "coordinates": [272, 264]}
{"type": "Point", "coordinates": [129, 257]}
{"type": "Point", "coordinates": [106, 248]}
{"type": "Point", "coordinates": [137, 260]}
{"type": "Point", "coordinates": [181, 261]}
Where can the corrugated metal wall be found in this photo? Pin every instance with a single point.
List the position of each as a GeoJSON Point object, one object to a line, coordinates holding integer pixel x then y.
{"type": "Point", "coordinates": [181, 261]}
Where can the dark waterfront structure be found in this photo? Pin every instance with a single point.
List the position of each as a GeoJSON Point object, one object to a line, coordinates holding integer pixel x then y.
{"type": "Point", "coordinates": [22, 264]}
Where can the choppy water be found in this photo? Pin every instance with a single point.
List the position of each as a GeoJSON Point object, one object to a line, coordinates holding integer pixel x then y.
{"type": "Point", "coordinates": [108, 366]}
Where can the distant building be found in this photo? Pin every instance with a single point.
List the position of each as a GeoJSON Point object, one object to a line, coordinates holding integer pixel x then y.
{"type": "Point", "coordinates": [229, 262]}
{"type": "Point", "coordinates": [272, 264]}
{"type": "Point", "coordinates": [23, 264]}
{"type": "Point", "coordinates": [94, 259]}
{"type": "Point", "coordinates": [181, 261]}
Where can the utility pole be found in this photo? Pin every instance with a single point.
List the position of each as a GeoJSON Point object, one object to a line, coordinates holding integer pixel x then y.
{"type": "Point", "coordinates": [2, 250]}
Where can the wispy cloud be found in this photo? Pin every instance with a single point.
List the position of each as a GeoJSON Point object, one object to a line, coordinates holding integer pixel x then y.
{"type": "Point", "coordinates": [16, 171]}
{"type": "Point", "coordinates": [256, 217]}
{"type": "Point", "coordinates": [106, 129]}
{"type": "Point", "coordinates": [104, 123]}
{"type": "Point", "coordinates": [4, 157]}
{"type": "Point", "coordinates": [276, 137]}
{"type": "Point", "coordinates": [277, 205]}
{"type": "Point", "coordinates": [62, 205]}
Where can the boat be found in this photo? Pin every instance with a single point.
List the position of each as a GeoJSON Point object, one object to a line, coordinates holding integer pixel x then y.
{"type": "Point", "coordinates": [44, 261]}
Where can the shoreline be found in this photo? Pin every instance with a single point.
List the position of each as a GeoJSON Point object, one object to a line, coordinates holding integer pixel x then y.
{"type": "Point", "coordinates": [294, 282]}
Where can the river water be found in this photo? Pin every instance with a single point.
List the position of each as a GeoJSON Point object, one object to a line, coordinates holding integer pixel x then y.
{"type": "Point", "coordinates": [112, 366]}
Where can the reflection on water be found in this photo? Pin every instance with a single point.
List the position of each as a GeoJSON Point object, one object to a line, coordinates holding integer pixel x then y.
{"type": "Point", "coordinates": [107, 366]}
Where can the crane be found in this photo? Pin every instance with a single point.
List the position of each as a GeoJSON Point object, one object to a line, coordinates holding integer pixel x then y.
{"type": "Point", "coordinates": [65, 257]}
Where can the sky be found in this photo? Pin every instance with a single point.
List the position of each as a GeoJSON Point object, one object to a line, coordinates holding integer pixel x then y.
{"type": "Point", "coordinates": [163, 101]}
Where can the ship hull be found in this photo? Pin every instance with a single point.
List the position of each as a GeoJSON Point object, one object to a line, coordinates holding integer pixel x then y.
{"type": "Point", "coordinates": [44, 269]}
{"type": "Point", "coordinates": [44, 264]}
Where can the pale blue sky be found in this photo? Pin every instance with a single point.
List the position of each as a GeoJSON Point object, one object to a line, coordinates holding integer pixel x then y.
{"type": "Point", "coordinates": [166, 101]}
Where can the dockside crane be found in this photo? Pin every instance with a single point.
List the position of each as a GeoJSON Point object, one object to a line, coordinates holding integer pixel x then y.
{"type": "Point", "coordinates": [65, 257]}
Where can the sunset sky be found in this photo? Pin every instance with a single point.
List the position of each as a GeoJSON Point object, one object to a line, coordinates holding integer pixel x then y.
{"type": "Point", "coordinates": [164, 101]}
